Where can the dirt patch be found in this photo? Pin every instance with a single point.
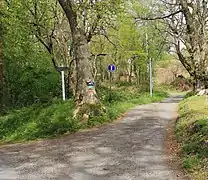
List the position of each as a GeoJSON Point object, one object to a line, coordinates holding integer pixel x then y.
{"type": "Point", "coordinates": [172, 150]}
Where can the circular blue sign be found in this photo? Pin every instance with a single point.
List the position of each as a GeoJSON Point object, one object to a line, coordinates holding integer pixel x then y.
{"type": "Point", "coordinates": [111, 67]}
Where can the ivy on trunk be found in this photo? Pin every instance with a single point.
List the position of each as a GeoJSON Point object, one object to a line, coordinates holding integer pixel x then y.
{"type": "Point", "coordinates": [1, 61]}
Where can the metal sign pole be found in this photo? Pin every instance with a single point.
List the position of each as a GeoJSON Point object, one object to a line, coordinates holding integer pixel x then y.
{"type": "Point", "coordinates": [147, 46]}
{"type": "Point", "coordinates": [150, 64]}
{"type": "Point", "coordinates": [111, 69]}
{"type": "Point", "coordinates": [110, 86]}
{"type": "Point", "coordinates": [63, 85]}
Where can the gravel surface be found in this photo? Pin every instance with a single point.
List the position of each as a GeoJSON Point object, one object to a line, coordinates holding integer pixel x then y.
{"type": "Point", "coordinates": [131, 149]}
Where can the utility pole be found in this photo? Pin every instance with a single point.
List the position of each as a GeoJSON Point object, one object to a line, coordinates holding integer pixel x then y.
{"type": "Point", "coordinates": [151, 84]}
{"type": "Point", "coordinates": [150, 65]}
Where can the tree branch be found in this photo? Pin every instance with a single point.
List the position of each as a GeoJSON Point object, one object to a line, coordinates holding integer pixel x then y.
{"type": "Point", "coordinates": [159, 17]}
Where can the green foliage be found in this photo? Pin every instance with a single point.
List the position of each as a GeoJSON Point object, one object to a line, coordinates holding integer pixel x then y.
{"type": "Point", "coordinates": [29, 74]}
{"type": "Point", "coordinates": [190, 163]}
{"type": "Point", "coordinates": [29, 83]}
{"type": "Point", "coordinates": [125, 46]}
{"type": "Point", "coordinates": [98, 14]}
{"type": "Point", "coordinates": [165, 87]}
{"type": "Point", "coordinates": [192, 132]}
{"type": "Point", "coordinates": [121, 100]}
{"type": "Point", "coordinates": [31, 77]}
{"type": "Point", "coordinates": [49, 120]}
{"type": "Point", "coordinates": [197, 144]}
{"type": "Point", "coordinates": [38, 121]}
{"type": "Point", "coordinates": [189, 94]}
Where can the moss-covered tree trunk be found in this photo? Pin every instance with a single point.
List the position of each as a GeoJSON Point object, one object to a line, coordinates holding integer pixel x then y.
{"type": "Point", "coordinates": [1, 60]}
{"type": "Point", "coordinates": [84, 95]}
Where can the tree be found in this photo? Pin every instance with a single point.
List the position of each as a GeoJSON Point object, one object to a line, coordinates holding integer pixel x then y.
{"type": "Point", "coordinates": [125, 46]}
{"type": "Point", "coordinates": [1, 59]}
{"type": "Point", "coordinates": [86, 19]}
{"type": "Point", "coordinates": [67, 43]}
{"type": "Point", "coordinates": [186, 23]}
{"type": "Point", "coordinates": [85, 35]}
{"type": "Point", "coordinates": [82, 57]}
{"type": "Point", "coordinates": [28, 71]}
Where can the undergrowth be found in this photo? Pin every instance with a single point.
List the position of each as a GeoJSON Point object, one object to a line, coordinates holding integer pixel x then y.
{"type": "Point", "coordinates": [50, 120]}
{"type": "Point", "coordinates": [192, 133]}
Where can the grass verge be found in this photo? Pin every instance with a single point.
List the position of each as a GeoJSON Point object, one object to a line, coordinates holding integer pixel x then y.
{"type": "Point", "coordinates": [192, 133]}
{"type": "Point", "coordinates": [49, 120]}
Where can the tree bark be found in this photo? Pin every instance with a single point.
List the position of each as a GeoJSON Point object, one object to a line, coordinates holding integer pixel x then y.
{"type": "Point", "coordinates": [83, 95]}
{"type": "Point", "coordinates": [195, 41]}
{"type": "Point", "coordinates": [1, 61]}
{"type": "Point", "coordinates": [187, 24]}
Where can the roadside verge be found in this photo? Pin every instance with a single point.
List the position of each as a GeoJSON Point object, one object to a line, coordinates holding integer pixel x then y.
{"type": "Point", "coordinates": [190, 137]}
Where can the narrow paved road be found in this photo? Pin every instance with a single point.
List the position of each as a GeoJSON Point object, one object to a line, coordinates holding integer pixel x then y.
{"type": "Point", "coordinates": [131, 149]}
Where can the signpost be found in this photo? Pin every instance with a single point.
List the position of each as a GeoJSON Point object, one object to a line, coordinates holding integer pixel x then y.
{"type": "Point", "coordinates": [62, 69]}
{"type": "Point", "coordinates": [111, 69]}
{"type": "Point", "coordinates": [63, 85]}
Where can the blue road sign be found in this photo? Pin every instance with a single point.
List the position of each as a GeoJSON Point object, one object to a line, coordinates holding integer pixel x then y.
{"type": "Point", "coordinates": [111, 67]}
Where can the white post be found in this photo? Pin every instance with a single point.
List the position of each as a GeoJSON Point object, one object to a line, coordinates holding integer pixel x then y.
{"type": "Point", "coordinates": [63, 85]}
{"type": "Point", "coordinates": [151, 84]}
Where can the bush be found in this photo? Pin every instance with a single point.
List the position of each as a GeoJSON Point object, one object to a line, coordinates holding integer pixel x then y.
{"type": "Point", "coordinates": [124, 84]}
{"type": "Point", "coordinates": [189, 94]}
{"type": "Point", "coordinates": [38, 121]}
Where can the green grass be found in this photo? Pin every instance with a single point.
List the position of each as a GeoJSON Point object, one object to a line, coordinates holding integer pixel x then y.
{"type": "Point", "coordinates": [189, 94]}
{"type": "Point", "coordinates": [192, 133]}
{"type": "Point", "coordinates": [50, 120]}
{"type": "Point", "coordinates": [38, 121]}
{"type": "Point", "coordinates": [168, 88]}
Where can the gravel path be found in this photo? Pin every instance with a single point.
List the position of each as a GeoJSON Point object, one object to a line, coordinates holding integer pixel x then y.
{"type": "Point", "coordinates": [131, 149]}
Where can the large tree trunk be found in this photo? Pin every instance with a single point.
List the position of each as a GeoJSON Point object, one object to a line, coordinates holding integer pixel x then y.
{"type": "Point", "coordinates": [84, 96]}
{"type": "Point", "coordinates": [1, 62]}
{"type": "Point", "coordinates": [196, 23]}
{"type": "Point", "coordinates": [82, 55]}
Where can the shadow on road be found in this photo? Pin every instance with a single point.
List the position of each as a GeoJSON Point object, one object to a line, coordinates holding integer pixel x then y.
{"type": "Point", "coordinates": [129, 150]}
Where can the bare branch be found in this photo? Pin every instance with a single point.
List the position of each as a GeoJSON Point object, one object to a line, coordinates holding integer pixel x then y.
{"type": "Point", "coordinates": [159, 17]}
